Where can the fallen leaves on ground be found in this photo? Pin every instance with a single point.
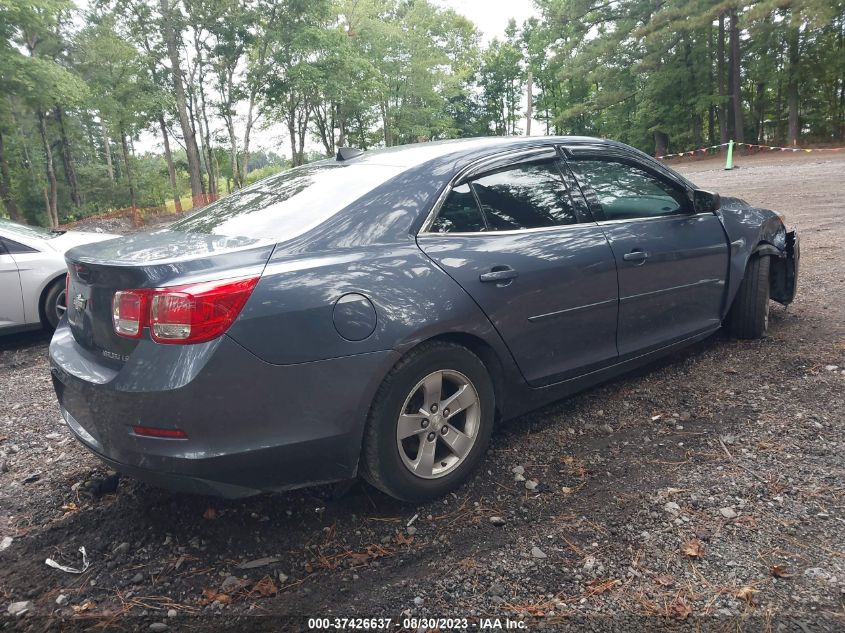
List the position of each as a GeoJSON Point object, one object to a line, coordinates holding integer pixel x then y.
{"type": "Point", "coordinates": [85, 606]}
{"type": "Point", "coordinates": [779, 571]}
{"type": "Point", "coordinates": [693, 548]}
{"type": "Point", "coordinates": [664, 580]}
{"type": "Point", "coordinates": [264, 587]}
{"type": "Point", "coordinates": [371, 553]}
{"type": "Point", "coordinates": [353, 559]}
{"type": "Point", "coordinates": [212, 595]}
{"type": "Point", "coordinates": [596, 587]}
{"type": "Point", "coordinates": [400, 539]}
{"type": "Point", "coordinates": [679, 609]}
{"type": "Point", "coordinates": [747, 594]}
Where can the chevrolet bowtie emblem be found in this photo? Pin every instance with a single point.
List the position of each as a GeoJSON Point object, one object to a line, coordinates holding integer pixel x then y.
{"type": "Point", "coordinates": [79, 302]}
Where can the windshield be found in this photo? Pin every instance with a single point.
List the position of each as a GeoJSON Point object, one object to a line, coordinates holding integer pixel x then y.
{"type": "Point", "coordinates": [288, 204]}
{"type": "Point", "coordinates": [23, 230]}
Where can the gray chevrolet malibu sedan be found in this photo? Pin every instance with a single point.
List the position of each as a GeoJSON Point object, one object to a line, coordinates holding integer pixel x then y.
{"type": "Point", "coordinates": [377, 313]}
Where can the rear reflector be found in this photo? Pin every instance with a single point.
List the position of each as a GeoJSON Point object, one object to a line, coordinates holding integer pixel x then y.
{"type": "Point", "coordinates": [151, 431]}
{"type": "Point", "coordinates": [192, 313]}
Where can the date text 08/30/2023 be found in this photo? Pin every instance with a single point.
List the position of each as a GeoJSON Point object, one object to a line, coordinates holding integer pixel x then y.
{"type": "Point", "coordinates": [443, 624]}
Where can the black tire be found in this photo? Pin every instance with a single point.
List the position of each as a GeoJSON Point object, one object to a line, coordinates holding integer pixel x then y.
{"type": "Point", "coordinates": [54, 296]}
{"type": "Point", "coordinates": [381, 463]}
{"type": "Point", "coordinates": [749, 315]}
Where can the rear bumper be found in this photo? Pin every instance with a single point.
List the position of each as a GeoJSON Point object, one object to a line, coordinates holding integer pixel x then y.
{"type": "Point", "coordinates": [252, 426]}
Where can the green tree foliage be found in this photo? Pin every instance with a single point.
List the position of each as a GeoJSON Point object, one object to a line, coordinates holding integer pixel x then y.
{"type": "Point", "coordinates": [648, 73]}
{"type": "Point", "coordinates": [81, 88]}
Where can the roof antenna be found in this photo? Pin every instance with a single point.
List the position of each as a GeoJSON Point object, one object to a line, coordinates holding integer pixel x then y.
{"type": "Point", "coordinates": [345, 153]}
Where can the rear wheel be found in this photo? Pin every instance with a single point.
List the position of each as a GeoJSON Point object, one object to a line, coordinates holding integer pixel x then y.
{"type": "Point", "coordinates": [55, 304]}
{"type": "Point", "coordinates": [430, 423]}
{"type": "Point", "coordinates": [749, 315]}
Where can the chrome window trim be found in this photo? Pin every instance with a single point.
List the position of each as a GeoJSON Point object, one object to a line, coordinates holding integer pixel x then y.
{"type": "Point", "coordinates": [669, 216]}
{"type": "Point", "coordinates": [480, 163]}
{"type": "Point", "coordinates": [536, 229]}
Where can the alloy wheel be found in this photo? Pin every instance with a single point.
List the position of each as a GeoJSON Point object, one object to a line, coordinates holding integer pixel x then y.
{"type": "Point", "coordinates": [61, 305]}
{"type": "Point", "coordinates": [438, 424]}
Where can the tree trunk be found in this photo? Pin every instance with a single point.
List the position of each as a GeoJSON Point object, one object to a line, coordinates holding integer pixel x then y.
{"type": "Point", "coordinates": [736, 79]}
{"type": "Point", "coordinates": [341, 126]}
{"type": "Point", "coordinates": [233, 141]}
{"type": "Point", "coordinates": [52, 197]}
{"type": "Point", "coordinates": [205, 130]}
{"type": "Point", "coordinates": [171, 170]}
{"type": "Point", "coordinates": [107, 150]}
{"type": "Point", "coordinates": [711, 109]}
{"type": "Point", "coordinates": [125, 147]}
{"type": "Point", "coordinates": [324, 127]}
{"type": "Point", "coordinates": [723, 90]}
{"type": "Point", "coordinates": [88, 122]}
{"type": "Point", "coordinates": [840, 111]}
{"type": "Point", "coordinates": [247, 131]}
{"type": "Point", "coordinates": [792, 86]}
{"type": "Point", "coordinates": [196, 126]}
{"type": "Point", "coordinates": [294, 160]}
{"type": "Point", "coordinates": [191, 149]}
{"type": "Point", "coordinates": [760, 106]}
{"type": "Point", "coordinates": [253, 93]}
{"type": "Point", "coordinates": [6, 185]}
{"type": "Point", "coordinates": [385, 121]}
{"type": "Point", "coordinates": [67, 160]}
{"type": "Point", "coordinates": [661, 143]}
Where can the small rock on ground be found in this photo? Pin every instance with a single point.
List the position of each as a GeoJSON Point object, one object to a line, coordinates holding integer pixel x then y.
{"type": "Point", "coordinates": [19, 608]}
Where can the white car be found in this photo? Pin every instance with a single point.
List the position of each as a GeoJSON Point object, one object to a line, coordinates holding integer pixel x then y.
{"type": "Point", "coordinates": [32, 274]}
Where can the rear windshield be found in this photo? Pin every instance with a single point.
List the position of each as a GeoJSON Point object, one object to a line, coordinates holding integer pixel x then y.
{"type": "Point", "coordinates": [23, 230]}
{"type": "Point", "coordinates": [283, 206]}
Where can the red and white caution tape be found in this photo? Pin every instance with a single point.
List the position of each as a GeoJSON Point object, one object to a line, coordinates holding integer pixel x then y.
{"type": "Point", "coordinates": [704, 150]}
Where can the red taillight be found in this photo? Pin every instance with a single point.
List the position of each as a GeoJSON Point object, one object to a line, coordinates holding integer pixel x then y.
{"type": "Point", "coordinates": [151, 431]}
{"type": "Point", "coordinates": [192, 313]}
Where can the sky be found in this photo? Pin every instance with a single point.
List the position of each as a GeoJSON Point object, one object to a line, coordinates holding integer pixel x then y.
{"type": "Point", "coordinates": [490, 17]}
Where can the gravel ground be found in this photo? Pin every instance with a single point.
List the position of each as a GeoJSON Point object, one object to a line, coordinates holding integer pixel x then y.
{"type": "Point", "coordinates": [704, 492]}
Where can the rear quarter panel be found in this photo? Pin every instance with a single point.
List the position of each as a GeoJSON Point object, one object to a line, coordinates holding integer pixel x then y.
{"type": "Point", "coordinates": [289, 317]}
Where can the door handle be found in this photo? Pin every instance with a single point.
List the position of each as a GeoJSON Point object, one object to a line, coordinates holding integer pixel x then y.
{"type": "Point", "coordinates": [636, 256]}
{"type": "Point", "coordinates": [499, 273]}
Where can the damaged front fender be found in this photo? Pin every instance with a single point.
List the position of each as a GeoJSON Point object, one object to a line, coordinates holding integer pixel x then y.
{"type": "Point", "coordinates": [784, 271]}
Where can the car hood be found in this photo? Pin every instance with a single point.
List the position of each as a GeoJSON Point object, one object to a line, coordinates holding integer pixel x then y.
{"type": "Point", "coordinates": [64, 242]}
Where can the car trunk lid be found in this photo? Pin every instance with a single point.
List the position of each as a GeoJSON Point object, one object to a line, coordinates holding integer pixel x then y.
{"type": "Point", "coordinates": [146, 260]}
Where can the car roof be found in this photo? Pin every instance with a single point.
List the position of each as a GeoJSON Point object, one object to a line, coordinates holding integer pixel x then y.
{"type": "Point", "coordinates": [417, 154]}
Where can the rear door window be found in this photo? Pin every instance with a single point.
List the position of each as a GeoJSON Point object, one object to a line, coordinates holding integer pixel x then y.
{"type": "Point", "coordinates": [12, 247]}
{"type": "Point", "coordinates": [459, 214]}
{"type": "Point", "coordinates": [526, 196]}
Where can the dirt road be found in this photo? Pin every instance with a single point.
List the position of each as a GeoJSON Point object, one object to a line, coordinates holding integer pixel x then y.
{"type": "Point", "coordinates": [702, 493]}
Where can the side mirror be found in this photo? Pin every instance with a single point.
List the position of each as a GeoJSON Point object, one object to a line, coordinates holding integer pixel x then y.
{"type": "Point", "coordinates": [706, 201]}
